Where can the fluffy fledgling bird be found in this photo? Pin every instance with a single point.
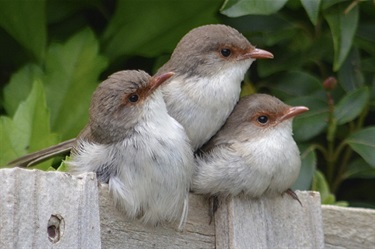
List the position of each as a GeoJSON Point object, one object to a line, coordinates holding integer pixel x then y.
{"type": "Point", "coordinates": [135, 146]}
{"type": "Point", "coordinates": [210, 63]}
{"type": "Point", "coordinates": [254, 153]}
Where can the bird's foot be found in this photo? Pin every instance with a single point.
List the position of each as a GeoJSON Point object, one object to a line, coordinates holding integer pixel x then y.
{"type": "Point", "coordinates": [293, 195]}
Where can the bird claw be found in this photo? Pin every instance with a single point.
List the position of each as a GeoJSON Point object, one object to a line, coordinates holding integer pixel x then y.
{"type": "Point", "coordinates": [293, 195]}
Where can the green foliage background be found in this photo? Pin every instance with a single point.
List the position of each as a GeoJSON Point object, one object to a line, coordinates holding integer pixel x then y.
{"type": "Point", "coordinates": [54, 53]}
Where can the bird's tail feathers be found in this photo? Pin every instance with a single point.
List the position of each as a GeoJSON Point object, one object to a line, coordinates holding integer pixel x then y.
{"type": "Point", "coordinates": [43, 155]}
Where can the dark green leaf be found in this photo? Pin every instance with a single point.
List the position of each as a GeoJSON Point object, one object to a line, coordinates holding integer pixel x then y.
{"type": "Point", "coordinates": [58, 11]}
{"type": "Point", "coordinates": [266, 25]}
{"type": "Point", "coordinates": [29, 130]}
{"type": "Point", "coordinates": [236, 8]}
{"type": "Point", "coordinates": [311, 123]}
{"type": "Point", "coordinates": [363, 142]}
{"type": "Point", "coordinates": [362, 204]}
{"type": "Point", "coordinates": [159, 28]}
{"type": "Point", "coordinates": [350, 74]}
{"type": "Point", "coordinates": [281, 63]}
{"type": "Point", "coordinates": [72, 72]}
{"type": "Point", "coordinates": [265, 31]}
{"type": "Point", "coordinates": [343, 27]}
{"type": "Point", "coordinates": [366, 31]}
{"type": "Point", "coordinates": [25, 21]}
{"type": "Point", "coordinates": [308, 167]}
{"type": "Point", "coordinates": [360, 169]}
{"type": "Point", "coordinates": [328, 3]}
{"type": "Point", "coordinates": [351, 105]}
{"type": "Point", "coordinates": [312, 9]}
{"type": "Point", "coordinates": [295, 84]}
{"type": "Point", "coordinates": [368, 65]}
{"type": "Point", "coordinates": [295, 54]}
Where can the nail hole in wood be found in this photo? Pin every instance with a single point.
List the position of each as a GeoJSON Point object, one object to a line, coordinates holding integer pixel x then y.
{"type": "Point", "coordinates": [55, 228]}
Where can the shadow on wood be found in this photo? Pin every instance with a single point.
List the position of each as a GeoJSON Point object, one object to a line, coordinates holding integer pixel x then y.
{"type": "Point", "coordinates": [119, 232]}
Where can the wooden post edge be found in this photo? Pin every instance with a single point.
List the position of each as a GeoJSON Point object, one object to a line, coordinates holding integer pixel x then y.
{"type": "Point", "coordinates": [279, 222]}
{"type": "Point", "coordinates": [41, 209]}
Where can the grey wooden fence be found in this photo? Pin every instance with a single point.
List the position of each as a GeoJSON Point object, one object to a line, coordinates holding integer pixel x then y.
{"type": "Point", "coordinates": [56, 210]}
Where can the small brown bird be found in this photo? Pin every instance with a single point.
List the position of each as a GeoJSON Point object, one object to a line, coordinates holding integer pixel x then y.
{"type": "Point", "coordinates": [254, 153]}
{"type": "Point", "coordinates": [210, 63]}
{"type": "Point", "coordinates": [135, 146]}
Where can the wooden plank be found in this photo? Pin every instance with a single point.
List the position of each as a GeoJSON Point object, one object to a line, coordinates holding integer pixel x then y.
{"type": "Point", "coordinates": [32, 200]}
{"type": "Point", "coordinates": [280, 222]}
{"type": "Point", "coordinates": [348, 227]}
{"type": "Point", "coordinates": [119, 232]}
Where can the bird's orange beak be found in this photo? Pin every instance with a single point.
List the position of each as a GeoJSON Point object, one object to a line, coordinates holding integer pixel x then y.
{"type": "Point", "coordinates": [293, 111]}
{"type": "Point", "coordinates": [156, 81]}
{"type": "Point", "coordinates": [257, 53]}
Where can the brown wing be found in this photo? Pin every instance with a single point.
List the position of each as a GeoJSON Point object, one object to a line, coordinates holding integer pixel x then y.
{"type": "Point", "coordinates": [84, 135]}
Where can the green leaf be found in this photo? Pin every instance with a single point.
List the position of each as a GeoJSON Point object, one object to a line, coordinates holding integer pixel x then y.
{"type": "Point", "coordinates": [71, 75]}
{"type": "Point", "coordinates": [312, 9]}
{"type": "Point", "coordinates": [236, 8]}
{"type": "Point", "coordinates": [267, 30]}
{"type": "Point", "coordinates": [72, 72]}
{"type": "Point", "coordinates": [351, 74]}
{"type": "Point", "coordinates": [9, 149]}
{"type": "Point", "coordinates": [328, 3]}
{"type": "Point", "coordinates": [320, 184]}
{"type": "Point", "coordinates": [368, 65]}
{"type": "Point", "coordinates": [351, 105]}
{"type": "Point", "coordinates": [29, 130]}
{"type": "Point", "coordinates": [20, 86]}
{"type": "Point", "coordinates": [59, 11]}
{"type": "Point", "coordinates": [363, 142]}
{"type": "Point", "coordinates": [295, 84]}
{"type": "Point", "coordinates": [63, 167]}
{"type": "Point", "coordinates": [162, 25]}
{"type": "Point", "coordinates": [311, 123]}
{"type": "Point", "coordinates": [360, 169]}
{"type": "Point", "coordinates": [25, 21]}
{"type": "Point", "coordinates": [295, 54]}
{"type": "Point", "coordinates": [366, 30]}
{"type": "Point", "coordinates": [343, 27]}
{"type": "Point", "coordinates": [308, 167]}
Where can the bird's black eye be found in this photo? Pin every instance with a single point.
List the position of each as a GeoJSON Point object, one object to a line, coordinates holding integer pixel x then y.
{"type": "Point", "coordinates": [225, 52]}
{"type": "Point", "coordinates": [262, 119]}
{"type": "Point", "coordinates": [133, 98]}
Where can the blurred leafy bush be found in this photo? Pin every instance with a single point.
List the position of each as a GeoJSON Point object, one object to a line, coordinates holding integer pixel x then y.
{"type": "Point", "coordinates": [54, 53]}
